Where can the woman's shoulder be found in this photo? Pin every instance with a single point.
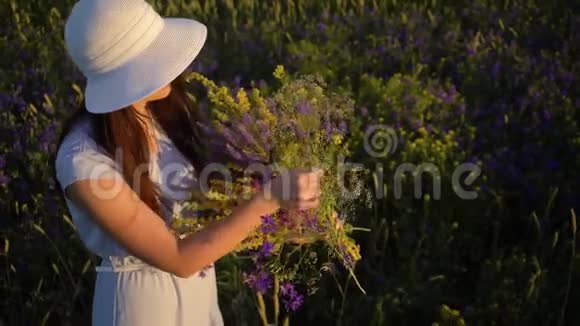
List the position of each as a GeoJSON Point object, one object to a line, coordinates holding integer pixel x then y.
{"type": "Point", "coordinates": [78, 139]}
{"type": "Point", "coordinates": [80, 157]}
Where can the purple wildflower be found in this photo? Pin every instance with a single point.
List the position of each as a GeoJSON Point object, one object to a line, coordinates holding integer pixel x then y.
{"type": "Point", "coordinates": [287, 288]}
{"type": "Point", "coordinates": [247, 119]}
{"type": "Point", "coordinates": [284, 218]}
{"type": "Point", "coordinates": [342, 127]}
{"type": "Point", "coordinates": [265, 134]}
{"type": "Point", "coordinates": [47, 137]}
{"type": "Point", "coordinates": [229, 136]}
{"type": "Point", "coordinates": [259, 281]}
{"type": "Point", "coordinates": [234, 153]}
{"type": "Point", "coordinates": [2, 161]}
{"type": "Point", "coordinates": [327, 127]}
{"type": "Point", "coordinates": [313, 224]}
{"type": "Point", "coordinates": [248, 138]}
{"type": "Point", "coordinates": [347, 260]}
{"type": "Point", "coordinates": [447, 96]}
{"type": "Point", "coordinates": [268, 224]}
{"type": "Point", "coordinates": [303, 108]}
{"type": "Point", "coordinates": [294, 304]}
{"type": "Point", "coordinates": [298, 130]}
{"type": "Point", "coordinates": [290, 297]}
{"type": "Point", "coordinates": [267, 248]}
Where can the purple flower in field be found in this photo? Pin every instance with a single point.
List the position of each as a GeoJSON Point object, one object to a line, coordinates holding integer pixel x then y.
{"type": "Point", "coordinates": [313, 223]}
{"type": "Point", "coordinates": [297, 129]}
{"type": "Point", "coordinates": [229, 136]}
{"type": "Point", "coordinates": [448, 96]}
{"type": "Point", "coordinates": [303, 108]}
{"type": "Point", "coordinates": [287, 289]}
{"type": "Point", "coordinates": [327, 127]}
{"type": "Point", "coordinates": [259, 281]}
{"type": "Point", "coordinates": [267, 248]}
{"type": "Point", "coordinates": [268, 224]}
{"type": "Point", "coordinates": [321, 26]}
{"type": "Point", "coordinates": [342, 127]}
{"type": "Point", "coordinates": [294, 304]}
{"type": "Point", "coordinates": [290, 297]}
{"type": "Point", "coordinates": [248, 137]}
{"type": "Point", "coordinates": [284, 218]}
{"type": "Point", "coordinates": [47, 138]}
{"type": "Point", "coordinates": [234, 153]}
{"type": "Point", "coordinates": [265, 132]}
{"type": "Point", "coordinates": [2, 161]}
{"type": "Point", "coordinates": [346, 257]}
{"type": "Point", "coordinates": [247, 119]}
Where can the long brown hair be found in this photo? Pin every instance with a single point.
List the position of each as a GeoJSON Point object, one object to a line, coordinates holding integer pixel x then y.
{"type": "Point", "coordinates": [122, 130]}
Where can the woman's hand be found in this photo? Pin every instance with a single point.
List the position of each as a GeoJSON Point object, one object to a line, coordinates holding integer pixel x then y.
{"type": "Point", "coordinates": [295, 188]}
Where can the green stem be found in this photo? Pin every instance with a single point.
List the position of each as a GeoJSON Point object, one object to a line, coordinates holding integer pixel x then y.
{"type": "Point", "coordinates": [356, 281]}
{"type": "Point", "coordinates": [286, 321]}
{"type": "Point", "coordinates": [360, 229]}
{"type": "Point", "coordinates": [276, 299]}
{"type": "Point", "coordinates": [343, 301]}
{"type": "Point", "coordinates": [262, 309]}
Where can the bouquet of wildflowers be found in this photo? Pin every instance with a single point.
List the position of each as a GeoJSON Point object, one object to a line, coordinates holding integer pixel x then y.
{"type": "Point", "coordinates": [301, 125]}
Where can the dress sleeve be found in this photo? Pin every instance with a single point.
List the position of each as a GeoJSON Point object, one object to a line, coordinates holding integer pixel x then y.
{"type": "Point", "coordinates": [80, 158]}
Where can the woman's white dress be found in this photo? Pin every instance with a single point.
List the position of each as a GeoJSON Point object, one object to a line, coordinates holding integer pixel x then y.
{"type": "Point", "coordinates": [128, 291]}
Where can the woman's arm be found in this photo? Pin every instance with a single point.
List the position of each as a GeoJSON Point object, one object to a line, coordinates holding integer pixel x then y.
{"type": "Point", "coordinates": [135, 226]}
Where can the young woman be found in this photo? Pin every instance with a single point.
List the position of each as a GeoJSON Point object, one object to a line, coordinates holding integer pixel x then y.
{"type": "Point", "coordinates": [130, 157]}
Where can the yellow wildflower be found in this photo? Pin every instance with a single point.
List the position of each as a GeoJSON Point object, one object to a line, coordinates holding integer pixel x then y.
{"type": "Point", "coordinates": [279, 73]}
{"type": "Point", "coordinates": [243, 101]}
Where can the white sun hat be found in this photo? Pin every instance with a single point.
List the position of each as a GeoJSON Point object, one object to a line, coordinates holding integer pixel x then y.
{"type": "Point", "coordinates": [127, 51]}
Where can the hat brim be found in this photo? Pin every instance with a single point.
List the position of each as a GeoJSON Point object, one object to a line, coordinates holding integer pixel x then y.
{"type": "Point", "coordinates": [174, 49]}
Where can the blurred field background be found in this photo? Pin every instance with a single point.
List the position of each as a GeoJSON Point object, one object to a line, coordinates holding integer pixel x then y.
{"type": "Point", "coordinates": [493, 83]}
